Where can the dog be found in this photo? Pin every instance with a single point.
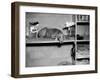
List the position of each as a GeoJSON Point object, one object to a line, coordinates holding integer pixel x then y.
{"type": "Point", "coordinates": [51, 33]}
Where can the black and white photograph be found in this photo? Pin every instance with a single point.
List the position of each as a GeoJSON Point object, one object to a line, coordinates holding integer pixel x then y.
{"type": "Point", "coordinates": [52, 39]}
{"type": "Point", "coordinates": [60, 39]}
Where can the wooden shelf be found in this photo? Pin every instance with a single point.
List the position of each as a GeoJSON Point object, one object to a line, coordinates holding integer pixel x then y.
{"type": "Point", "coordinates": [53, 42]}
{"type": "Point", "coordinates": [82, 41]}
{"type": "Point", "coordinates": [83, 23]}
{"type": "Point", "coordinates": [82, 56]}
{"type": "Point", "coordinates": [49, 43]}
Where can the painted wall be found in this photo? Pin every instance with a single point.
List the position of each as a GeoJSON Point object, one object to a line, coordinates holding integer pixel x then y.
{"type": "Point", "coordinates": [48, 20]}
{"type": "Point", "coordinates": [48, 56]}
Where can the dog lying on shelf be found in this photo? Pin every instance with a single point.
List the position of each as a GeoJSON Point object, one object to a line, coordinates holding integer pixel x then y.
{"type": "Point", "coordinates": [51, 33]}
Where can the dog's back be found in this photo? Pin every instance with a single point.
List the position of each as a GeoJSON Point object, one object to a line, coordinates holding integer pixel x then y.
{"type": "Point", "coordinates": [50, 33]}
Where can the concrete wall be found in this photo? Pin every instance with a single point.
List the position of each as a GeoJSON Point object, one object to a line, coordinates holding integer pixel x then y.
{"type": "Point", "coordinates": [48, 56]}
{"type": "Point", "coordinates": [47, 20]}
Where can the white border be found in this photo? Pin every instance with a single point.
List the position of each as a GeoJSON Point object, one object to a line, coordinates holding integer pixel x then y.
{"type": "Point", "coordinates": [36, 70]}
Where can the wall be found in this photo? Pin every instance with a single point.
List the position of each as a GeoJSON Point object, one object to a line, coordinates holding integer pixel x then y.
{"type": "Point", "coordinates": [48, 20]}
{"type": "Point", "coordinates": [5, 41]}
{"type": "Point", "coordinates": [48, 56]}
